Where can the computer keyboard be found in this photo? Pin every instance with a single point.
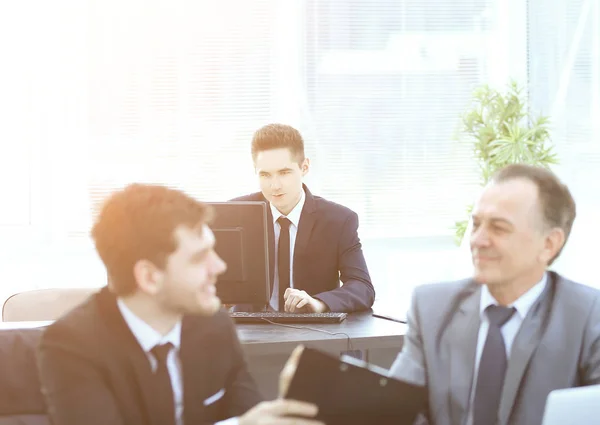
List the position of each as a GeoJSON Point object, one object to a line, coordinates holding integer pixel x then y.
{"type": "Point", "coordinates": [282, 317]}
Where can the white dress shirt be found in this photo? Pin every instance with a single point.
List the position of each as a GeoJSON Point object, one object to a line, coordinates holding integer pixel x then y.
{"type": "Point", "coordinates": [294, 218]}
{"type": "Point", "coordinates": [510, 329]}
{"type": "Point", "coordinates": [147, 337]}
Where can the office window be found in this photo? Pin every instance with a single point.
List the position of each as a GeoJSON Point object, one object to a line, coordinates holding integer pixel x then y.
{"type": "Point", "coordinates": [564, 81]}
{"type": "Point", "coordinates": [386, 83]}
{"type": "Point", "coordinates": [175, 100]}
{"type": "Point", "coordinates": [171, 91]}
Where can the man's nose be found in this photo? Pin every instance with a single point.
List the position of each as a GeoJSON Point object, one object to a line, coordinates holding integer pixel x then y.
{"type": "Point", "coordinates": [480, 237]}
{"type": "Point", "coordinates": [219, 265]}
{"type": "Point", "coordinates": [275, 183]}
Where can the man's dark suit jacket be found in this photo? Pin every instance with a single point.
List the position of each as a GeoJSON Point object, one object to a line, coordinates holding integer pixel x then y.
{"type": "Point", "coordinates": [327, 250]}
{"type": "Point", "coordinates": [93, 371]}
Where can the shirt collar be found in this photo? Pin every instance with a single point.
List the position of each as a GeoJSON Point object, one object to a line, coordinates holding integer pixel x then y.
{"type": "Point", "coordinates": [294, 215]}
{"type": "Point", "coordinates": [146, 336]}
{"type": "Point", "coordinates": [523, 304]}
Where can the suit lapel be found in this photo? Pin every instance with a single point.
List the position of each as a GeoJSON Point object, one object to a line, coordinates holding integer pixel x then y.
{"type": "Point", "coordinates": [308, 217]}
{"type": "Point", "coordinates": [462, 342]}
{"type": "Point", "coordinates": [130, 354]}
{"type": "Point", "coordinates": [195, 352]}
{"type": "Point", "coordinates": [524, 345]}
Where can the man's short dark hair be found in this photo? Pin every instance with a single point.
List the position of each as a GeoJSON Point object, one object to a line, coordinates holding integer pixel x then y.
{"type": "Point", "coordinates": [138, 223]}
{"type": "Point", "coordinates": [556, 201]}
{"type": "Point", "coordinates": [277, 136]}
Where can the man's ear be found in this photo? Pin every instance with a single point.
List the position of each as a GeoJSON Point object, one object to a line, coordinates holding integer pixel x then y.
{"type": "Point", "coordinates": [555, 239]}
{"type": "Point", "coordinates": [147, 276]}
{"type": "Point", "coordinates": [305, 166]}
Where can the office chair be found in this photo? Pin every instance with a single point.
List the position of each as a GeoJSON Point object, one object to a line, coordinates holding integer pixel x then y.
{"type": "Point", "coordinates": [43, 304]}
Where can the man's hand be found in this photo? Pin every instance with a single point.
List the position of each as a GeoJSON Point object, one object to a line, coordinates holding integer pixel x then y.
{"type": "Point", "coordinates": [276, 412]}
{"type": "Point", "coordinates": [297, 301]}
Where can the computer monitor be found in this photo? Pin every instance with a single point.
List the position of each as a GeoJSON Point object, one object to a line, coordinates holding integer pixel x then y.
{"type": "Point", "coordinates": [240, 230]}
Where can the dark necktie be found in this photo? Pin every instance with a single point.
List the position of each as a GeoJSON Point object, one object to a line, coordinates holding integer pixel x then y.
{"type": "Point", "coordinates": [492, 368]}
{"type": "Point", "coordinates": [283, 258]}
{"type": "Point", "coordinates": [164, 389]}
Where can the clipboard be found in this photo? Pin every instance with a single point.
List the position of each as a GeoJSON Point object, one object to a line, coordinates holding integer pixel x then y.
{"type": "Point", "coordinates": [351, 392]}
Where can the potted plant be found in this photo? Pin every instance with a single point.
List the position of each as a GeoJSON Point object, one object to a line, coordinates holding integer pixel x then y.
{"type": "Point", "coordinates": [502, 131]}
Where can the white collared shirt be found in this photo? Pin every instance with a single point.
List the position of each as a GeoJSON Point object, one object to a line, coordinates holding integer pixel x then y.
{"type": "Point", "coordinates": [294, 217]}
{"type": "Point", "coordinates": [148, 337]}
{"type": "Point", "coordinates": [510, 329]}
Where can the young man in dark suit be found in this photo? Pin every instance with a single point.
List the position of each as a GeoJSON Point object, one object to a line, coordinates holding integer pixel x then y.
{"type": "Point", "coordinates": [313, 242]}
{"type": "Point", "coordinates": [153, 347]}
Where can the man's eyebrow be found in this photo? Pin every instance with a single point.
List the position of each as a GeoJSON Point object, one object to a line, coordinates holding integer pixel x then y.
{"type": "Point", "coordinates": [276, 171]}
{"type": "Point", "coordinates": [503, 221]}
{"type": "Point", "coordinates": [494, 220]}
{"type": "Point", "coordinates": [200, 253]}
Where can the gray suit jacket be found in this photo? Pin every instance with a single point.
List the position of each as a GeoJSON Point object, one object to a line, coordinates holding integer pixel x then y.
{"type": "Point", "coordinates": [558, 346]}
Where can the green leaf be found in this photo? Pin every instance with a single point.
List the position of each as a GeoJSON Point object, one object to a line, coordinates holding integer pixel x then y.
{"type": "Point", "coordinates": [502, 130]}
{"type": "Point", "coordinates": [460, 230]}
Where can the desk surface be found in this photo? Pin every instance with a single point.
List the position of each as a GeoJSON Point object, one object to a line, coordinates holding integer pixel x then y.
{"type": "Point", "coordinates": [267, 346]}
{"type": "Point", "coordinates": [364, 331]}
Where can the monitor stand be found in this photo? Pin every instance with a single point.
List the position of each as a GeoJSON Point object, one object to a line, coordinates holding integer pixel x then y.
{"type": "Point", "coordinates": [261, 307]}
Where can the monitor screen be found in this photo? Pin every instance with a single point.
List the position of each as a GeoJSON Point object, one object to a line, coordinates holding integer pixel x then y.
{"type": "Point", "coordinates": [240, 230]}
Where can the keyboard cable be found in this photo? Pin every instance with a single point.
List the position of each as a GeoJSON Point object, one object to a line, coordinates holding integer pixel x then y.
{"type": "Point", "coordinates": [349, 346]}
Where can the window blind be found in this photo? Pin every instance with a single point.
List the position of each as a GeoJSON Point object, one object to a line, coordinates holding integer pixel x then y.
{"type": "Point", "coordinates": [177, 88]}
{"type": "Point", "coordinates": [564, 81]}
{"type": "Point", "coordinates": [387, 82]}
{"type": "Point", "coordinates": [171, 91]}
{"type": "Point", "coordinates": [377, 88]}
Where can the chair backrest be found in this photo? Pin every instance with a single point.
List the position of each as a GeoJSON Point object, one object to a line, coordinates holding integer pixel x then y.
{"type": "Point", "coordinates": [21, 400]}
{"type": "Point", "coordinates": [43, 304]}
